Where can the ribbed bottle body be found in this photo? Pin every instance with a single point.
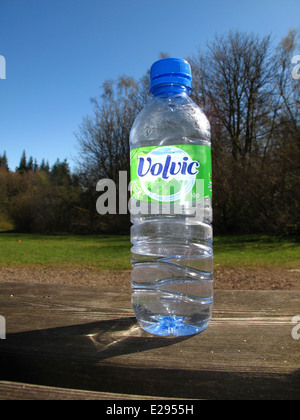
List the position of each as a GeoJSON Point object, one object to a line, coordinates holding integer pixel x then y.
{"type": "Point", "coordinates": [172, 254]}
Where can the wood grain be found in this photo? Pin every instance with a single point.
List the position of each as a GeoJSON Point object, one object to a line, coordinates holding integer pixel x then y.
{"type": "Point", "coordinates": [87, 339]}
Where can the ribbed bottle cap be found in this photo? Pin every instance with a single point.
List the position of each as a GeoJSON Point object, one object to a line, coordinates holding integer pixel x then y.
{"type": "Point", "coordinates": [170, 71]}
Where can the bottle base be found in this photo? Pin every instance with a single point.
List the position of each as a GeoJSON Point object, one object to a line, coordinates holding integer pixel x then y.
{"type": "Point", "coordinates": [168, 313]}
{"type": "Point", "coordinates": [172, 325]}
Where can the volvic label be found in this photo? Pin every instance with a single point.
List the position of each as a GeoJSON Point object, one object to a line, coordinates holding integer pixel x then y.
{"type": "Point", "coordinates": [167, 174]}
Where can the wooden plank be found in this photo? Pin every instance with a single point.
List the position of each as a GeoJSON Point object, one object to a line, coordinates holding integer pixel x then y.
{"type": "Point", "coordinates": [22, 391]}
{"type": "Point", "coordinates": [88, 339]}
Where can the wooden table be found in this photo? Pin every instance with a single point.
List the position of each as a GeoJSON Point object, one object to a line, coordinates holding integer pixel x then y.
{"type": "Point", "coordinates": [75, 342]}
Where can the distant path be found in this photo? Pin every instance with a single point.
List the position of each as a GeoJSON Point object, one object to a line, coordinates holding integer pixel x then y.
{"type": "Point", "coordinates": [225, 278]}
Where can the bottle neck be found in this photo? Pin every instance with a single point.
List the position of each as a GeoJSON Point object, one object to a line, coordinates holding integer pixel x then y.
{"type": "Point", "coordinates": [170, 90]}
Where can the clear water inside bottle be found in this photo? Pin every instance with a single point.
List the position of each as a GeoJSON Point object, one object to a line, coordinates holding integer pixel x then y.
{"type": "Point", "coordinates": [172, 254]}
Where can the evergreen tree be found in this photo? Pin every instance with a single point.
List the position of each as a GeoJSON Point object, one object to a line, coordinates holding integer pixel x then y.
{"type": "Point", "coordinates": [35, 166]}
{"type": "Point", "coordinates": [3, 161]}
{"type": "Point", "coordinates": [44, 166]}
{"type": "Point", "coordinates": [23, 163]}
{"type": "Point", "coordinates": [60, 173]}
{"type": "Point", "coordinates": [29, 166]}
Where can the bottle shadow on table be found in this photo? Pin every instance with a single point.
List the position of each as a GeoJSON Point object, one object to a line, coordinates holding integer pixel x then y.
{"type": "Point", "coordinates": [97, 340]}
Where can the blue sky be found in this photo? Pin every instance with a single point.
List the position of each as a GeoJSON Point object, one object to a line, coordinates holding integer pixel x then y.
{"type": "Point", "coordinates": [59, 52]}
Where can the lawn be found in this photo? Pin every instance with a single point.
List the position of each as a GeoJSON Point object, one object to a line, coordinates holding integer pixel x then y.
{"type": "Point", "coordinates": [104, 252]}
{"type": "Point", "coordinates": [254, 251]}
{"type": "Point", "coordinates": [101, 252]}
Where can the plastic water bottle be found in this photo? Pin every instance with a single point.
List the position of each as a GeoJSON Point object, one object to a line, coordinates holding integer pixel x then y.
{"type": "Point", "coordinates": [171, 212]}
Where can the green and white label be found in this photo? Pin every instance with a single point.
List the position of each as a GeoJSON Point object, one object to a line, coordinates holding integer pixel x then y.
{"type": "Point", "coordinates": [170, 174]}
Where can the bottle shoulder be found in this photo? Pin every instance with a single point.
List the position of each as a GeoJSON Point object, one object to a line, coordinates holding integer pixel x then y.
{"type": "Point", "coordinates": [170, 119]}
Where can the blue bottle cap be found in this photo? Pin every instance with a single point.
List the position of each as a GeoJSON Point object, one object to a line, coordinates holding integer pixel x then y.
{"type": "Point", "coordinates": [170, 71]}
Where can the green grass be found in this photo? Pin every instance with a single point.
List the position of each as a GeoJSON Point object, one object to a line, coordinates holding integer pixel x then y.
{"type": "Point", "coordinates": [252, 251]}
{"type": "Point", "coordinates": [113, 252]}
{"type": "Point", "coordinates": [100, 252]}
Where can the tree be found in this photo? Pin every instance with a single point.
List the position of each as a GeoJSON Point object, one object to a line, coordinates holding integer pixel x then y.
{"type": "Point", "coordinates": [286, 148]}
{"type": "Point", "coordinates": [3, 161]}
{"type": "Point", "coordinates": [60, 173]}
{"type": "Point", "coordinates": [35, 165]}
{"type": "Point", "coordinates": [252, 102]}
{"type": "Point", "coordinates": [103, 138]}
{"type": "Point", "coordinates": [288, 89]}
{"type": "Point", "coordinates": [236, 81]}
{"type": "Point", "coordinates": [23, 163]}
{"type": "Point", "coordinates": [42, 202]}
{"type": "Point", "coordinates": [44, 166]}
{"type": "Point", "coordinates": [29, 166]}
